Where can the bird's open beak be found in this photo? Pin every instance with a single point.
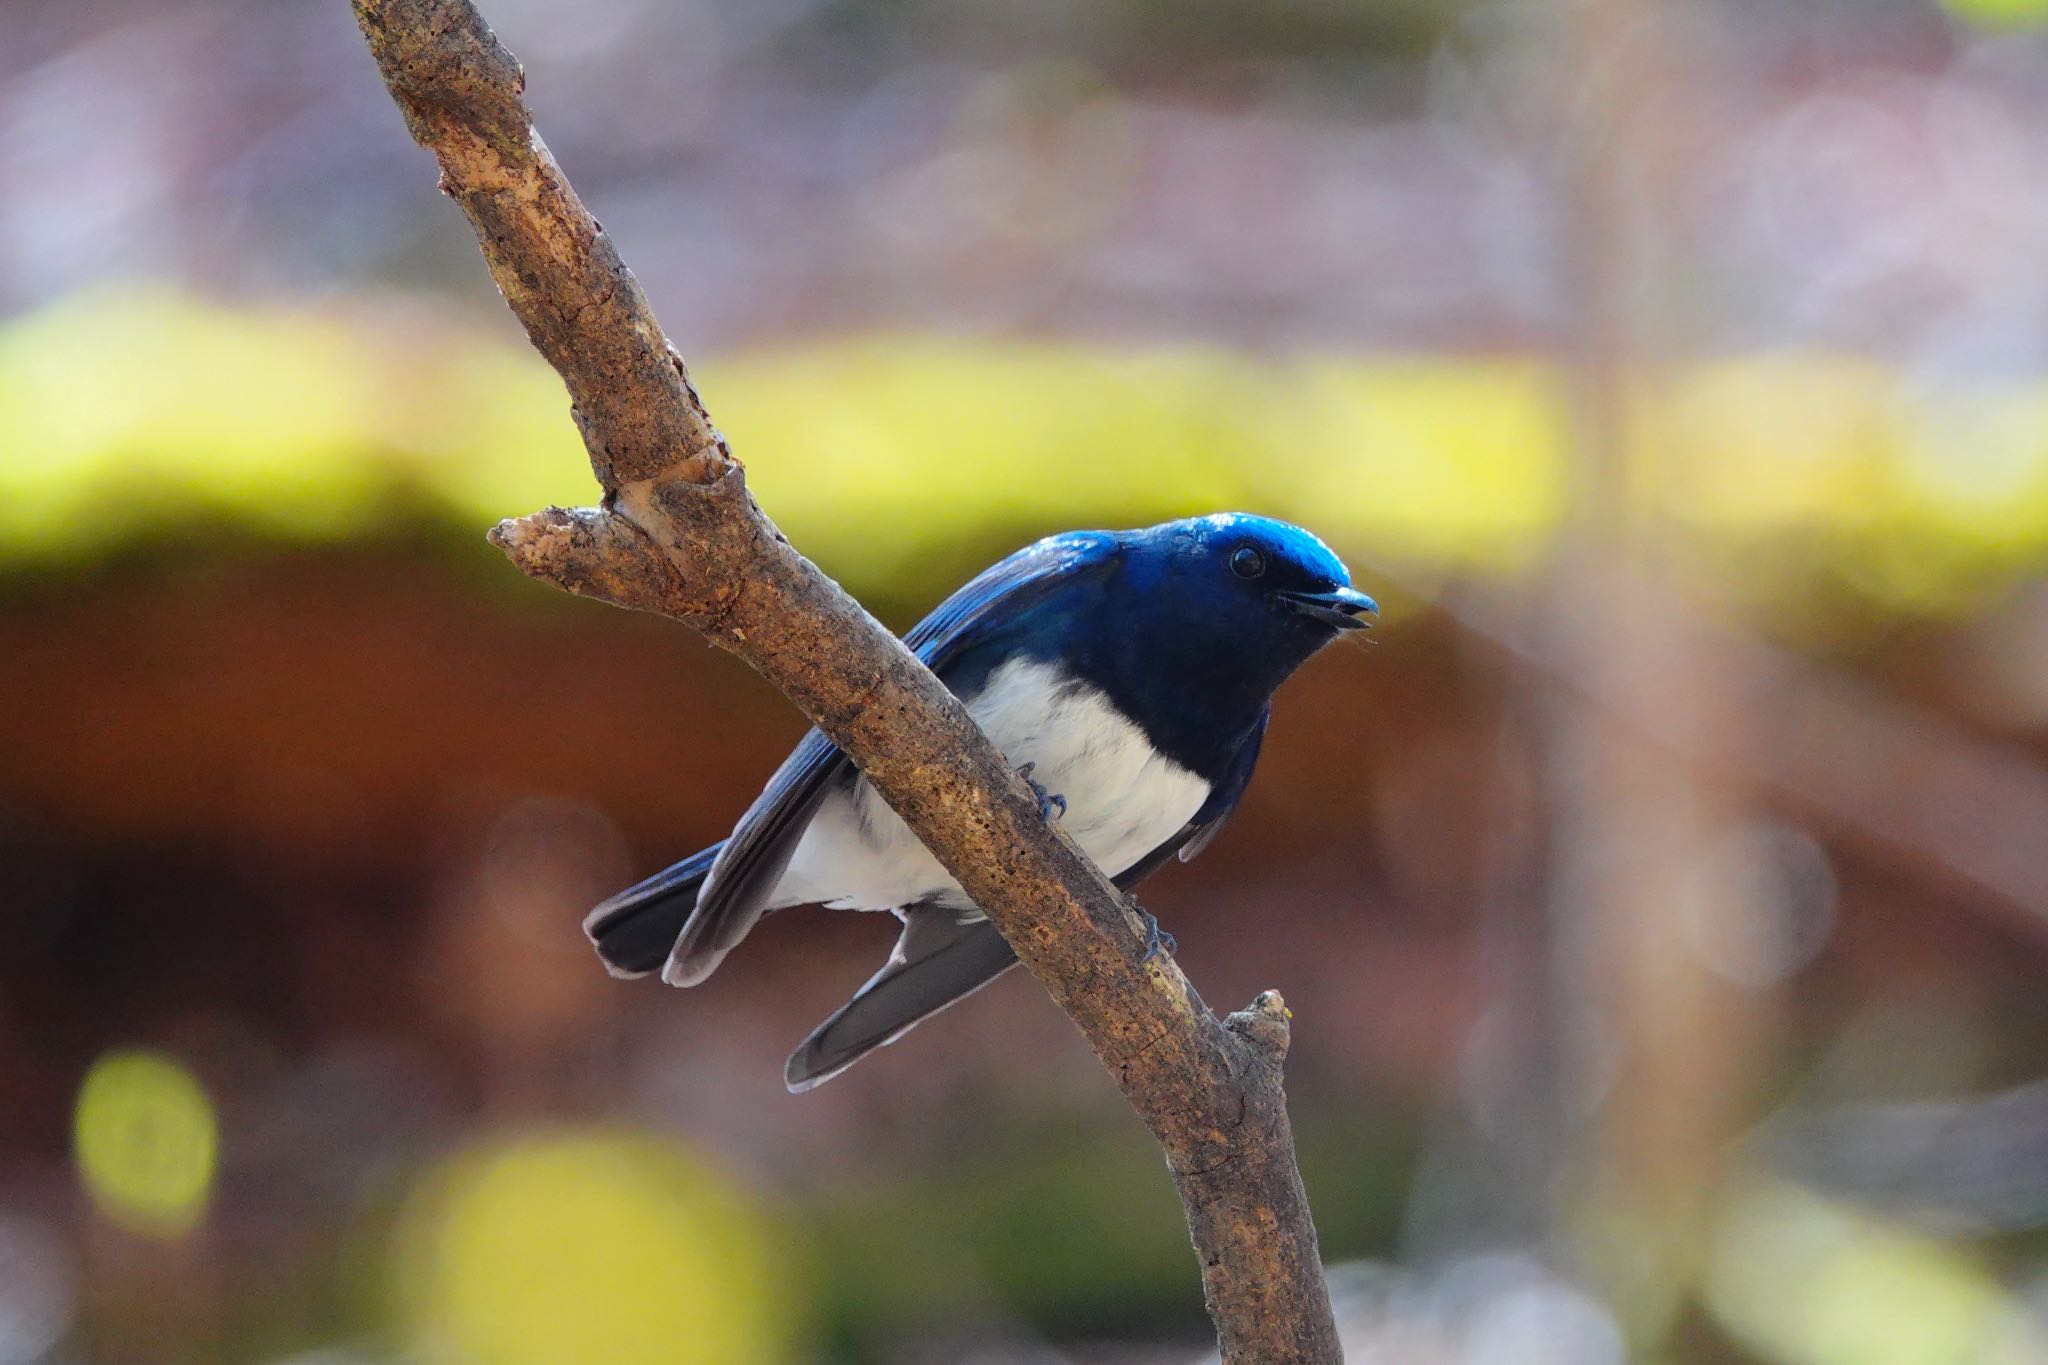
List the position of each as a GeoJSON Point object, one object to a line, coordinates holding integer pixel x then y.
{"type": "Point", "coordinates": [1340, 608]}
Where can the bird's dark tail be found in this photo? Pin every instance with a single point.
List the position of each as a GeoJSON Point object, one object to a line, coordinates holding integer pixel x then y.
{"type": "Point", "coordinates": [634, 930]}
{"type": "Point", "coordinates": [937, 961]}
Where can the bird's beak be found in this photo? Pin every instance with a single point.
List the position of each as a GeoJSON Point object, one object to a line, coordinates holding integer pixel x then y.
{"type": "Point", "coordinates": [1339, 608]}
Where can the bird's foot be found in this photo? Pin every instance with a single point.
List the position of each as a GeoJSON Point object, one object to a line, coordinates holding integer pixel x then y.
{"type": "Point", "coordinates": [1051, 805]}
{"type": "Point", "coordinates": [1158, 942]}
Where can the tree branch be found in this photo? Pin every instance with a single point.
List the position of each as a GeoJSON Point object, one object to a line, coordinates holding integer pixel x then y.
{"type": "Point", "coordinates": [679, 535]}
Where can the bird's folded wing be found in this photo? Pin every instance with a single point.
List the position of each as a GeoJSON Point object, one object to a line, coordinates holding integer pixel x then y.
{"type": "Point", "coordinates": [1002, 594]}
{"type": "Point", "coordinates": [741, 884]}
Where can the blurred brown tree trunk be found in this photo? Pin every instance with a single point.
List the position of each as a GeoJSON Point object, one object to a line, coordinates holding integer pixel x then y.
{"type": "Point", "coordinates": [678, 534]}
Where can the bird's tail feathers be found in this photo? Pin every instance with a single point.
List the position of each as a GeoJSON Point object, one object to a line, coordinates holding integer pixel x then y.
{"type": "Point", "coordinates": [634, 930]}
{"type": "Point", "coordinates": [937, 961]}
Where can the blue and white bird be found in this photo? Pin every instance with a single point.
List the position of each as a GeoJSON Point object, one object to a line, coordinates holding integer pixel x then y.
{"type": "Point", "coordinates": [1129, 673]}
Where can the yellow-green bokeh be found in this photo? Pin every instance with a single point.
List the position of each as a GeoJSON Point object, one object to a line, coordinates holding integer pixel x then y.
{"type": "Point", "coordinates": [146, 1142]}
{"type": "Point", "coordinates": [589, 1249]}
{"type": "Point", "coordinates": [1803, 1280]}
{"type": "Point", "coordinates": [141, 415]}
{"type": "Point", "coordinates": [2000, 13]}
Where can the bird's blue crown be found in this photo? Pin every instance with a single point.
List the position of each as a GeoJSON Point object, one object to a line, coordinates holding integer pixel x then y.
{"type": "Point", "coordinates": [1287, 549]}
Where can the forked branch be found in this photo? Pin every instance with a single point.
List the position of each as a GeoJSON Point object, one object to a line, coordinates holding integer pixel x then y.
{"type": "Point", "coordinates": [679, 535]}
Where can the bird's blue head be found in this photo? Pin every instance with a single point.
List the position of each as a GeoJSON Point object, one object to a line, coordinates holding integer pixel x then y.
{"type": "Point", "coordinates": [1249, 579]}
{"type": "Point", "coordinates": [1223, 608]}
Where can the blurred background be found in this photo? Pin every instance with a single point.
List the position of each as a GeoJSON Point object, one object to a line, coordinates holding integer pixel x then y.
{"type": "Point", "coordinates": [1662, 898]}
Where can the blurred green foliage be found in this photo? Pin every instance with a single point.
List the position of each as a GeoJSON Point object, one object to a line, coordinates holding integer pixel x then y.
{"type": "Point", "coordinates": [138, 416]}
{"type": "Point", "coordinates": [1069, 1225]}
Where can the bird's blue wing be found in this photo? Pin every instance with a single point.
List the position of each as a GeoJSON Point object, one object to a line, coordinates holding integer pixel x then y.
{"type": "Point", "coordinates": [1004, 591]}
{"type": "Point", "coordinates": [743, 878]}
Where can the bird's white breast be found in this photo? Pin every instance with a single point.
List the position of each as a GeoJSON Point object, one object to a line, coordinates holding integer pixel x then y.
{"type": "Point", "coordinates": [1124, 798]}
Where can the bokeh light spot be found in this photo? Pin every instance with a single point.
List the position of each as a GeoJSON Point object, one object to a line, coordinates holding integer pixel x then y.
{"type": "Point", "coordinates": [146, 1140]}
{"type": "Point", "coordinates": [606, 1249]}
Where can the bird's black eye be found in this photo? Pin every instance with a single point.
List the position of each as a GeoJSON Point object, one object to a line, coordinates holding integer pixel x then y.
{"type": "Point", "coordinates": [1246, 562]}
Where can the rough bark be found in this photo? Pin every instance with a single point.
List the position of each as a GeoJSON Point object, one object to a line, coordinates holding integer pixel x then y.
{"type": "Point", "coordinates": [679, 535]}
